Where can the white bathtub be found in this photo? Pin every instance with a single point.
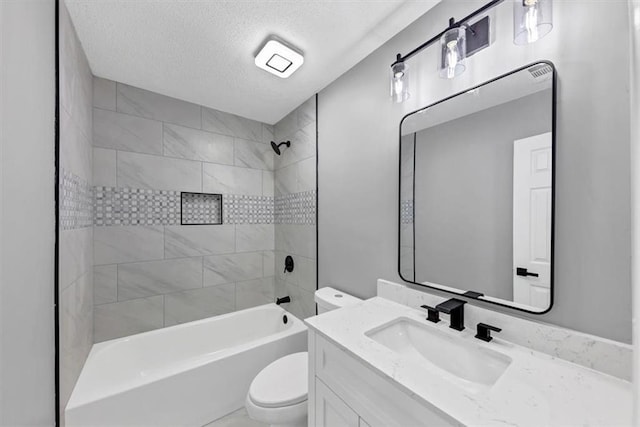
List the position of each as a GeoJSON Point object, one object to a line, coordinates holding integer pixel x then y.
{"type": "Point", "coordinates": [185, 375]}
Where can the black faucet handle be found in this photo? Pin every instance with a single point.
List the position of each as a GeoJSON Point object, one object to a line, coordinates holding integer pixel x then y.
{"type": "Point", "coordinates": [484, 331]}
{"type": "Point", "coordinates": [434, 315]}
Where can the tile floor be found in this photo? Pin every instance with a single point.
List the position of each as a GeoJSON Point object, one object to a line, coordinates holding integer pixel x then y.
{"type": "Point", "coordinates": [238, 418]}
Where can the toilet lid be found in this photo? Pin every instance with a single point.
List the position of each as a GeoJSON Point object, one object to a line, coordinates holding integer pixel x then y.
{"type": "Point", "coordinates": [282, 383]}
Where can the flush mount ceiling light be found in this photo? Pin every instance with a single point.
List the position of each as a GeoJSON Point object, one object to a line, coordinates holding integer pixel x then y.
{"type": "Point", "coordinates": [278, 59]}
{"type": "Point", "coordinates": [532, 20]}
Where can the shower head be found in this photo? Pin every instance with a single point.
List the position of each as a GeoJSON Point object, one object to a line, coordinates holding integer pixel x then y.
{"type": "Point", "coordinates": [276, 147]}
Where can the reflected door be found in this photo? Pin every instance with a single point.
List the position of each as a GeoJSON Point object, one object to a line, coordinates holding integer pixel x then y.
{"type": "Point", "coordinates": [532, 170]}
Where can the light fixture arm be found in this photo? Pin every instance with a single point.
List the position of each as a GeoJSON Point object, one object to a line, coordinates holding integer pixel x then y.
{"type": "Point", "coordinates": [452, 24]}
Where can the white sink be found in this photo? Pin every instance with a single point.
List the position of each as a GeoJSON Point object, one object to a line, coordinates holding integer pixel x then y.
{"type": "Point", "coordinates": [474, 367]}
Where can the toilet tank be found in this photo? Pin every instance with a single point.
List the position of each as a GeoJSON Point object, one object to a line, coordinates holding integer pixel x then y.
{"type": "Point", "coordinates": [330, 299]}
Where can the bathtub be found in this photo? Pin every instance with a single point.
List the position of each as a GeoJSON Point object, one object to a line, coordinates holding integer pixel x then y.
{"type": "Point", "coordinates": [184, 375]}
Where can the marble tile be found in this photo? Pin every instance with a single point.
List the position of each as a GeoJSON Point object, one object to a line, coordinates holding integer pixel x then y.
{"type": "Point", "coordinates": [75, 147]}
{"type": "Point", "coordinates": [76, 255]}
{"type": "Point", "coordinates": [193, 144]}
{"type": "Point", "coordinates": [286, 126]}
{"type": "Point", "coordinates": [104, 94]}
{"type": "Point", "coordinates": [268, 133]}
{"type": "Point", "coordinates": [302, 304]}
{"type": "Point", "coordinates": [306, 273]}
{"type": "Point", "coordinates": [306, 113]}
{"type": "Point", "coordinates": [158, 173]}
{"type": "Point", "coordinates": [105, 282]}
{"type": "Point", "coordinates": [231, 180]}
{"type": "Point", "coordinates": [286, 180]}
{"type": "Point", "coordinates": [296, 239]}
{"type": "Point", "coordinates": [125, 318]}
{"type": "Point", "coordinates": [186, 306]}
{"type": "Point", "coordinates": [253, 154]}
{"type": "Point", "coordinates": [104, 167]}
{"type": "Point", "coordinates": [268, 183]}
{"type": "Point", "coordinates": [254, 292]}
{"type": "Point", "coordinates": [230, 268]}
{"type": "Point", "coordinates": [303, 146]}
{"type": "Point", "coordinates": [142, 103]}
{"type": "Point", "coordinates": [268, 267]}
{"type": "Point", "coordinates": [76, 331]}
{"type": "Point", "coordinates": [113, 245]}
{"type": "Point", "coordinates": [198, 240]}
{"type": "Point", "coordinates": [307, 175]}
{"type": "Point", "coordinates": [143, 279]}
{"type": "Point", "coordinates": [125, 132]}
{"type": "Point", "coordinates": [239, 418]}
{"type": "Point", "coordinates": [254, 237]}
{"type": "Point", "coordinates": [230, 124]}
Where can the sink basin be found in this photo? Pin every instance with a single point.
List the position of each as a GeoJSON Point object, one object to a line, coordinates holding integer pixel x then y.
{"type": "Point", "coordinates": [474, 367]}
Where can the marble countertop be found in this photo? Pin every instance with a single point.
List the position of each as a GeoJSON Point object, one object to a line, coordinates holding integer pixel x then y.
{"type": "Point", "coordinates": [535, 390]}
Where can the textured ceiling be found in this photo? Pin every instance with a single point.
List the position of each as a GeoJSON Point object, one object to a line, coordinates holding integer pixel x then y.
{"type": "Point", "coordinates": [202, 50]}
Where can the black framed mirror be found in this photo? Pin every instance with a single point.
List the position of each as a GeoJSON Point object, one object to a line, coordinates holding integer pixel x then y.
{"type": "Point", "coordinates": [477, 181]}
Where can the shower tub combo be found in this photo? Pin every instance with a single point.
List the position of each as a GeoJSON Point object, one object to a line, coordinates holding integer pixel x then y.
{"type": "Point", "coordinates": [184, 375]}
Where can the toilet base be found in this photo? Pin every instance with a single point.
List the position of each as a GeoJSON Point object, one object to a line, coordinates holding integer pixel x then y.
{"type": "Point", "coordinates": [288, 416]}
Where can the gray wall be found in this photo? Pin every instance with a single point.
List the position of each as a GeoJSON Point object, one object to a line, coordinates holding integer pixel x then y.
{"type": "Point", "coordinates": [27, 220]}
{"type": "Point", "coordinates": [464, 195]}
{"type": "Point", "coordinates": [150, 271]}
{"type": "Point", "coordinates": [358, 157]}
{"type": "Point", "coordinates": [75, 279]}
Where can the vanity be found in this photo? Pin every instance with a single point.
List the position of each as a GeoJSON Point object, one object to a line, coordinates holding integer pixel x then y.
{"type": "Point", "coordinates": [381, 363]}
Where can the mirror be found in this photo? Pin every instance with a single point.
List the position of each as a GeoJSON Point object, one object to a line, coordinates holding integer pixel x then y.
{"type": "Point", "coordinates": [476, 191]}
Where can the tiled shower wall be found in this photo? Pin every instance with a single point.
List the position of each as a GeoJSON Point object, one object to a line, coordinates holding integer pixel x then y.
{"type": "Point", "coordinates": [295, 199]}
{"type": "Point", "coordinates": [150, 271]}
{"type": "Point", "coordinates": [75, 277]}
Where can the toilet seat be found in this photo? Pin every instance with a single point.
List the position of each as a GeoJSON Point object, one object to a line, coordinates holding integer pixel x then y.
{"type": "Point", "coordinates": [282, 383]}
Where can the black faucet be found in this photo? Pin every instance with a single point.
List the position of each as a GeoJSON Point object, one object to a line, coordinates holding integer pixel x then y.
{"type": "Point", "coordinates": [434, 314]}
{"type": "Point", "coordinates": [283, 300]}
{"type": "Point", "coordinates": [455, 309]}
{"type": "Point", "coordinates": [484, 331]}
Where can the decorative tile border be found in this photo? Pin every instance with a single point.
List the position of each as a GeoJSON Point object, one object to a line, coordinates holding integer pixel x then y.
{"type": "Point", "coordinates": [113, 206]}
{"type": "Point", "coordinates": [75, 202]}
{"type": "Point", "coordinates": [238, 209]}
{"type": "Point", "coordinates": [296, 208]}
{"type": "Point", "coordinates": [135, 206]}
{"type": "Point", "coordinates": [406, 211]}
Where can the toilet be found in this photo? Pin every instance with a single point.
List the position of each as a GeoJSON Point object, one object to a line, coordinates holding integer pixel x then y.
{"type": "Point", "coordinates": [278, 394]}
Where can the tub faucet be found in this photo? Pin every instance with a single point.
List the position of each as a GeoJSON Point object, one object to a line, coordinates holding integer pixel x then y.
{"type": "Point", "coordinates": [283, 300]}
{"type": "Point", "coordinates": [455, 309]}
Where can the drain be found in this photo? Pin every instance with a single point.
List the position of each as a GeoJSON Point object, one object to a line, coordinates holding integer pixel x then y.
{"type": "Point", "coordinates": [285, 319]}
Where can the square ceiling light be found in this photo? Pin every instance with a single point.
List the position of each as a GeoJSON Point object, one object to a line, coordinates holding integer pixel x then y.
{"type": "Point", "coordinates": [278, 59]}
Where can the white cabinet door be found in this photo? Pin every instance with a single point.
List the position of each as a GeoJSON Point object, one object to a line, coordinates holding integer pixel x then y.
{"type": "Point", "coordinates": [331, 411]}
{"type": "Point", "coordinates": [532, 220]}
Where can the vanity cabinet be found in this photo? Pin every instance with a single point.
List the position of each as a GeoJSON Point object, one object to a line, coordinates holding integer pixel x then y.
{"type": "Point", "coordinates": [343, 391]}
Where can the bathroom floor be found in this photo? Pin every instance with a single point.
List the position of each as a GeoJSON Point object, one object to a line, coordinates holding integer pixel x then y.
{"type": "Point", "coordinates": [239, 418]}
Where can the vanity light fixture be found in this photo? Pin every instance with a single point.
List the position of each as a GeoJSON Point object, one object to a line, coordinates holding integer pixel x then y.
{"type": "Point", "coordinates": [278, 59]}
{"type": "Point", "coordinates": [532, 20]}
{"type": "Point", "coordinates": [453, 51]}
{"type": "Point", "coordinates": [399, 82]}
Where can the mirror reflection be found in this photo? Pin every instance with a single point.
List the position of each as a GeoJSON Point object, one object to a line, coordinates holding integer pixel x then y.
{"type": "Point", "coordinates": [477, 191]}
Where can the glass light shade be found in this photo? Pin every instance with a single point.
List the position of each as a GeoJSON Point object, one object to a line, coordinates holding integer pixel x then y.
{"type": "Point", "coordinates": [532, 20]}
{"type": "Point", "coordinates": [453, 51]}
{"type": "Point", "coordinates": [399, 82]}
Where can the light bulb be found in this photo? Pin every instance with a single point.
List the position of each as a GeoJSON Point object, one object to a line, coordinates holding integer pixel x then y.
{"type": "Point", "coordinates": [531, 20]}
{"type": "Point", "coordinates": [451, 58]}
